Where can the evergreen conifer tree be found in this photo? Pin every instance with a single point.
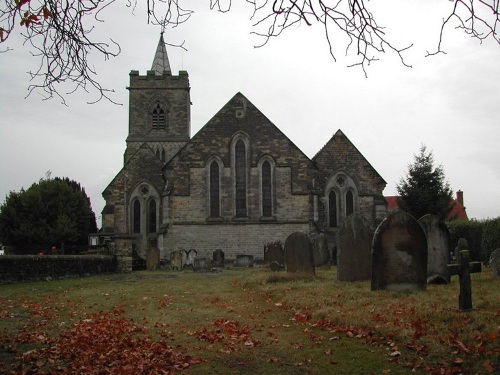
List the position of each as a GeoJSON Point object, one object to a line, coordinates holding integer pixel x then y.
{"type": "Point", "coordinates": [424, 190]}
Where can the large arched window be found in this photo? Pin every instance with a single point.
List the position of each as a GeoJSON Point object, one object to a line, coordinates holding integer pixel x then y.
{"type": "Point", "coordinates": [332, 209]}
{"type": "Point", "coordinates": [152, 216]}
{"type": "Point", "coordinates": [214, 190]}
{"type": "Point", "coordinates": [136, 220]}
{"type": "Point", "coordinates": [240, 179]}
{"type": "Point", "coordinates": [267, 209]}
{"type": "Point", "coordinates": [158, 117]}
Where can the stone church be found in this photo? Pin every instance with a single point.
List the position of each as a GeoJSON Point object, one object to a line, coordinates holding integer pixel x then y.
{"type": "Point", "coordinates": [236, 185]}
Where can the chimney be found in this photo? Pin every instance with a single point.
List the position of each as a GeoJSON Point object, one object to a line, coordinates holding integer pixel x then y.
{"type": "Point", "coordinates": [460, 197]}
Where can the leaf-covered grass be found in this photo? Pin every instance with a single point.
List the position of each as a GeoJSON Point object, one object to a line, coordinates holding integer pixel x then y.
{"type": "Point", "coordinates": [245, 321]}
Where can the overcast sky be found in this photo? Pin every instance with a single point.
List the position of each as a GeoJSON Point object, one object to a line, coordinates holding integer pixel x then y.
{"type": "Point", "coordinates": [448, 102]}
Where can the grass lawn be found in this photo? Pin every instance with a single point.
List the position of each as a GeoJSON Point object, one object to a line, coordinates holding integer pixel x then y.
{"type": "Point", "coordinates": [245, 321]}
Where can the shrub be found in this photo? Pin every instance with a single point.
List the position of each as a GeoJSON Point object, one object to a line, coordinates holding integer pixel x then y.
{"type": "Point", "coordinates": [490, 238]}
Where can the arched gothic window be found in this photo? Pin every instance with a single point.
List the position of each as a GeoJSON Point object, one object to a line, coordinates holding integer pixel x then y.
{"type": "Point", "coordinates": [214, 190]}
{"type": "Point", "coordinates": [152, 216]}
{"type": "Point", "coordinates": [158, 118]}
{"type": "Point", "coordinates": [267, 209]}
{"type": "Point", "coordinates": [332, 209]}
{"type": "Point", "coordinates": [349, 203]}
{"type": "Point", "coordinates": [137, 217]}
{"type": "Point", "coordinates": [163, 155]}
{"type": "Point", "coordinates": [240, 179]}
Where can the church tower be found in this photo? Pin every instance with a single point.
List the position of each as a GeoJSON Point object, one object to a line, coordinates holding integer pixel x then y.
{"type": "Point", "coordinates": [159, 108]}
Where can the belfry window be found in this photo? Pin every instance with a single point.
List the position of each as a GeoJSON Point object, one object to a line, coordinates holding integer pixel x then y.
{"type": "Point", "coordinates": [266, 189]}
{"type": "Point", "coordinates": [241, 179]}
{"type": "Point", "coordinates": [137, 217]}
{"type": "Point", "coordinates": [158, 118]}
{"type": "Point", "coordinates": [332, 209]}
{"type": "Point", "coordinates": [214, 190]}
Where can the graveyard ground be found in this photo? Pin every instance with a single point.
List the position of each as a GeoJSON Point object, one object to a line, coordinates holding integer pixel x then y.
{"type": "Point", "coordinates": [245, 321]}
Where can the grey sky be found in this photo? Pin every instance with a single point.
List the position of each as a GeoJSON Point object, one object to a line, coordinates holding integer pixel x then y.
{"type": "Point", "coordinates": [448, 102]}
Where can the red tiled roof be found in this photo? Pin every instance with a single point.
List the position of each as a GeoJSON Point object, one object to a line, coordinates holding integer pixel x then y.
{"type": "Point", "coordinates": [457, 212]}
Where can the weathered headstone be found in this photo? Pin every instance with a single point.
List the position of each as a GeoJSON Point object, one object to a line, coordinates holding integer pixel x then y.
{"type": "Point", "coordinates": [275, 266]}
{"type": "Point", "coordinates": [354, 245]}
{"type": "Point", "coordinates": [495, 262]}
{"type": "Point", "coordinates": [463, 269]}
{"type": "Point", "coordinates": [399, 254]}
{"type": "Point", "coordinates": [461, 245]}
{"type": "Point", "coordinates": [321, 254]}
{"type": "Point", "coordinates": [298, 254]}
{"type": "Point", "coordinates": [188, 261]}
{"type": "Point", "coordinates": [201, 264]}
{"type": "Point", "coordinates": [123, 249]}
{"type": "Point", "coordinates": [218, 258]}
{"type": "Point", "coordinates": [152, 258]}
{"type": "Point", "coordinates": [244, 260]}
{"type": "Point", "coordinates": [274, 252]}
{"type": "Point", "coordinates": [438, 245]}
{"type": "Point", "coordinates": [176, 260]}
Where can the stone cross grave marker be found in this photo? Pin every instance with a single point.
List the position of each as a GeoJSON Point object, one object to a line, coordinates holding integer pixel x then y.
{"type": "Point", "coordinates": [354, 245]}
{"type": "Point", "coordinates": [463, 270]}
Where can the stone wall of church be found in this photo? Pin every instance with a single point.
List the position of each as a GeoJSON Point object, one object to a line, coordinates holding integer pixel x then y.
{"type": "Point", "coordinates": [233, 239]}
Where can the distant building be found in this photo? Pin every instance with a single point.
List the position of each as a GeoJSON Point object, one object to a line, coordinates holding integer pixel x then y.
{"type": "Point", "coordinates": [457, 206]}
{"type": "Point", "coordinates": [236, 185]}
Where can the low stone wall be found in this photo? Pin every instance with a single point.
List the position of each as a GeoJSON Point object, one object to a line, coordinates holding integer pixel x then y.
{"type": "Point", "coordinates": [16, 268]}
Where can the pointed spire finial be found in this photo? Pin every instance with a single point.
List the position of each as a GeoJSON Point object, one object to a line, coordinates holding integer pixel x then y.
{"type": "Point", "coordinates": [160, 61]}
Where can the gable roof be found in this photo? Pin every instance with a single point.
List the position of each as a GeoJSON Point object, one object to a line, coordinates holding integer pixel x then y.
{"type": "Point", "coordinates": [239, 115]}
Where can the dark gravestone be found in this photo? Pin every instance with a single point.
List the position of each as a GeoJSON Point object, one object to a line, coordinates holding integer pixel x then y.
{"type": "Point", "coordinates": [463, 269]}
{"type": "Point", "coordinates": [218, 259]}
{"type": "Point", "coordinates": [298, 253]}
{"type": "Point", "coordinates": [176, 260]}
{"type": "Point", "coordinates": [201, 264]}
{"type": "Point", "coordinates": [354, 245]}
{"type": "Point", "coordinates": [273, 252]}
{"type": "Point", "coordinates": [494, 263]}
{"type": "Point", "coordinates": [152, 258]}
{"type": "Point", "coordinates": [399, 254]}
{"type": "Point", "coordinates": [438, 246]}
{"type": "Point", "coordinates": [244, 260]}
{"type": "Point", "coordinates": [321, 254]}
{"type": "Point", "coordinates": [275, 266]}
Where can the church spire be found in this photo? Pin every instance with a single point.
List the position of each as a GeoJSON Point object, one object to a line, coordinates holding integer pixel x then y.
{"type": "Point", "coordinates": [160, 61]}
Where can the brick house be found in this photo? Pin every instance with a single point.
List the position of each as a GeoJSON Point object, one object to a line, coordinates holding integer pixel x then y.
{"type": "Point", "coordinates": [236, 185]}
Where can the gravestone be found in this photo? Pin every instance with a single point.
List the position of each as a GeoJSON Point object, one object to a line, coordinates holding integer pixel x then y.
{"type": "Point", "coordinates": [201, 264]}
{"type": "Point", "coordinates": [438, 245]}
{"type": "Point", "coordinates": [463, 269]}
{"type": "Point", "coordinates": [321, 254]}
{"type": "Point", "coordinates": [354, 245]}
{"type": "Point", "coordinates": [495, 262]}
{"type": "Point", "coordinates": [298, 254]}
{"type": "Point", "coordinates": [275, 266]}
{"type": "Point", "coordinates": [244, 260]}
{"type": "Point", "coordinates": [188, 260]}
{"type": "Point", "coordinates": [461, 245]}
{"type": "Point", "coordinates": [274, 252]}
{"type": "Point", "coordinates": [176, 260]}
{"type": "Point", "coordinates": [218, 258]}
{"type": "Point", "coordinates": [399, 254]}
{"type": "Point", "coordinates": [152, 258]}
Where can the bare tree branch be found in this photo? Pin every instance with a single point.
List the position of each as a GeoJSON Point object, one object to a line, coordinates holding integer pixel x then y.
{"type": "Point", "coordinates": [59, 31]}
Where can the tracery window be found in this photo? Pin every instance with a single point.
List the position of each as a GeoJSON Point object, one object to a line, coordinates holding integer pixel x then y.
{"type": "Point", "coordinates": [240, 179]}
{"type": "Point", "coordinates": [136, 220]}
{"type": "Point", "coordinates": [266, 189]}
{"type": "Point", "coordinates": [214, 190]}
{"type": "Point", "coordinates": [332, 209]}
{"type": "Point", "coordinates": [158, 118]}
{"type": "Point", "coordinates": [152, 216]}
